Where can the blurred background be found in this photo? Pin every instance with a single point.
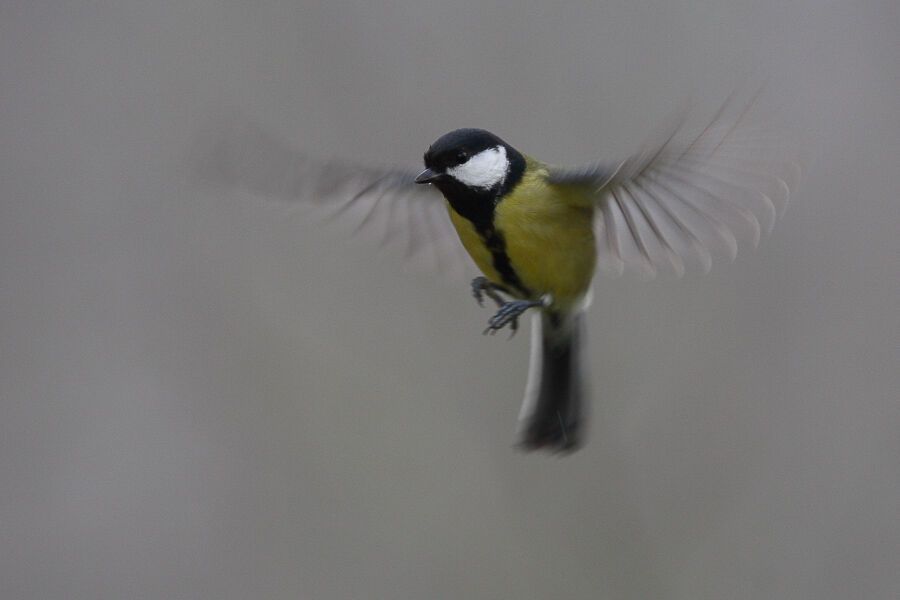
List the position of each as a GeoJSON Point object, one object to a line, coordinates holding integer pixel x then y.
{"type": "Point", "coordinates": [206, 394]}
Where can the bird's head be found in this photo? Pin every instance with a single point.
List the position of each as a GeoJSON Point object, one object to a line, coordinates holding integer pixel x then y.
{"type": "Point", "coordinates": [470, 158]}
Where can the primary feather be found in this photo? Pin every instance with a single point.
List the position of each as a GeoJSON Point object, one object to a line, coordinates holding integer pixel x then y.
{"type": "Point", "coordinates": [682, 198]}
{"type": "Point", "coordinates": [382, 203]}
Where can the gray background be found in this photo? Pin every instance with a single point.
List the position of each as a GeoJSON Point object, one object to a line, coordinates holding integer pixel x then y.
{"type": "Point", "coordinates": [204, 394]}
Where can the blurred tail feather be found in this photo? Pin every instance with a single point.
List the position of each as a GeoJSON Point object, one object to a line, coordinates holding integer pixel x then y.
{"type": "Point", "coordinates": [552, 415]}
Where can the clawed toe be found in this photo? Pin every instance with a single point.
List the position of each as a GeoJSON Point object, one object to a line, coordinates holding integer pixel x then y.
{"type": "Point", "coordinates": [481, 287]}
{"type": "Point", "coordinates": [509, 314]}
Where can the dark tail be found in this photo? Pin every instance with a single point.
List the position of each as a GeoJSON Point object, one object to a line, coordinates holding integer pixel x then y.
{"type": "Point", "coordinates": [553, 416]}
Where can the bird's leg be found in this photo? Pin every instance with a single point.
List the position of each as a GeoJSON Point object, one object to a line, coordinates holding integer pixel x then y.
{"type": "Point", "coordinates": [508, 310]}
{"type": "Point", "coordinates": [481, 287]}
{"type": "Point", "coordinates": [509, 315]}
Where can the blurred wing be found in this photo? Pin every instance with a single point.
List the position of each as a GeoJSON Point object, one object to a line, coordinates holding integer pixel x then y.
{"type": "Point", "coordinates": [383, 205]}
{"type": "Point", "coordinates": [683, 200]}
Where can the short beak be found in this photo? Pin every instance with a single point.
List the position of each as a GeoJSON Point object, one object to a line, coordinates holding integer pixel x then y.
{"type": "Point", "coordinates": [427, 176]}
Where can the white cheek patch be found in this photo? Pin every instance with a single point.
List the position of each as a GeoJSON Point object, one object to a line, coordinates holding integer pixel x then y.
{"type": "Point", "coordinates": [485, 170]}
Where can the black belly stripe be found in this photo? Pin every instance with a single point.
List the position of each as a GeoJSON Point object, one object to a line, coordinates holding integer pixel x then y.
{"type": "Point", "coordinates": [477, 206]}
{"type": "Point", "coordinates": [494, 242]}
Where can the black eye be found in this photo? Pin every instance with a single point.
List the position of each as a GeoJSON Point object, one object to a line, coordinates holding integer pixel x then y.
{"type": "Point", "coordinates": [461, 157]}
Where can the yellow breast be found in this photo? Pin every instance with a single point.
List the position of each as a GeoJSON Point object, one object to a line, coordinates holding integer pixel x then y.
{"type": "Point", "coordinates": [549, 239]}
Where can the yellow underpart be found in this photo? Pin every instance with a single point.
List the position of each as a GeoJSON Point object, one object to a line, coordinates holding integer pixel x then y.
{"type": "Point", "coordinates": [549, 236]}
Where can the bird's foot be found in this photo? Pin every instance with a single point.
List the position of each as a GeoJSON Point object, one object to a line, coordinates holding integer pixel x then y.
{"type": "Point", "coordinates": [481, 287]}
{"type": "Point", "coordinates": [509, 314]}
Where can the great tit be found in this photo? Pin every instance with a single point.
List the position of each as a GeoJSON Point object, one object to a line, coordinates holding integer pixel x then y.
{"type": "Point", "coordinates": [537, 232]}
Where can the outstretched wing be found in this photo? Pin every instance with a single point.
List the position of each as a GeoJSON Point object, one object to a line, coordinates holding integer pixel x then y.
{"type": "Point", "coordinates": [687, 198]}
{"type": "Point", "coordinates": [382, 204]}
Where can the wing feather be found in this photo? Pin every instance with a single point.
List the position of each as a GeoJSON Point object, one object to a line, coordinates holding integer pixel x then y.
{"type": "Point", "coordinates": [384, 205]}
{"type": "Point", "coordinates": [619, 196]}
{"type": "Point", "coordinates": [656, 225]}
{"type": "Point", "coordinates": [685, 198]}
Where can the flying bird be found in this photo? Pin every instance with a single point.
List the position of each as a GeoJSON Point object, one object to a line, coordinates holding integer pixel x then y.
{"type": "Point", "coordinates": [537, 232]}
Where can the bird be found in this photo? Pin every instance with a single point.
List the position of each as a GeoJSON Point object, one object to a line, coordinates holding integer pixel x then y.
{"type": "Point", "coordinates": [539, 233]}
